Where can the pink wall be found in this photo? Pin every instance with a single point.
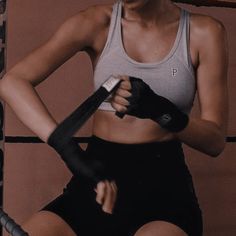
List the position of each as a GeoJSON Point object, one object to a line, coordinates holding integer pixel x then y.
{"type": "Point", "coordinates": [215, 179]}
{"type": "Point", "coordinates": [33, 175]}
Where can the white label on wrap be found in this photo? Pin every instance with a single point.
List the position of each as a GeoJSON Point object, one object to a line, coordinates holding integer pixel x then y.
{"type": "Point", "coordinates": [110, 83]}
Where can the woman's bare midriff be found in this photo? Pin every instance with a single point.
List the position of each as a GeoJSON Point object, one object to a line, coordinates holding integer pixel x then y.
{"type": "Point", "coordinates": [108, 126]}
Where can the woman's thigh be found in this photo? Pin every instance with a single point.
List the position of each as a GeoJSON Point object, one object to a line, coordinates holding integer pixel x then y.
{"type": "Point", "coordinates": [160, 228]}
{"type": "Point", "coordinates": [45, 223]}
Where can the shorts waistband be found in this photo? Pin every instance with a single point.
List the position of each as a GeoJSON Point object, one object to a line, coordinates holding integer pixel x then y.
{"type": "Point", "coordinates": [161, 145]}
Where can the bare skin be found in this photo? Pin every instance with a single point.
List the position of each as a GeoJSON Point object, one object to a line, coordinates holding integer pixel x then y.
{"type": "Point", "coordinates": [158, 21]}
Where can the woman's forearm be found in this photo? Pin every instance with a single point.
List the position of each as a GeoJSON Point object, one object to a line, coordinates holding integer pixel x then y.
{"type": "Point", "coordinates": [21, 96]}
{"type": "Point", "coordinates": [204, 136]}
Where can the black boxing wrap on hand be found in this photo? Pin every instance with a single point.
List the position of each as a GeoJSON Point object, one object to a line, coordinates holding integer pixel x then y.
{"type": "Point", "coordinates": [78, 162]}
{"type": "Point", "coordinates": [76, 159]}
{"type": "Point", "coordinates": [144, 103]}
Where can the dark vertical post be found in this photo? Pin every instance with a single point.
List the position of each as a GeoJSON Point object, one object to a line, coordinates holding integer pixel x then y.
{"type": "Point", "coordinates": [3, 17]}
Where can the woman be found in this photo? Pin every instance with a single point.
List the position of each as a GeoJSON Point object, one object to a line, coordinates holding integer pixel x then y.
{"type": "Point", "coordinates": [172, 51]}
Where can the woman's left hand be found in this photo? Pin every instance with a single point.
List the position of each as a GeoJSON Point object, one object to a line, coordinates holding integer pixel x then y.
{"type": "Point", "coordinates": [106, 195]}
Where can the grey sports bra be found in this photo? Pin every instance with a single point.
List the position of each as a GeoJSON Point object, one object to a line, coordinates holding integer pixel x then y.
{"type": "Point", "coordinates": [173, 77]}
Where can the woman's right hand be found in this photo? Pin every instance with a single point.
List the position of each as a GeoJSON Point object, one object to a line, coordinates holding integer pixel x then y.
{"type": "Point", "coordinates": [119, 97]}
{"type": "Point", "coordinates": [106, 195]}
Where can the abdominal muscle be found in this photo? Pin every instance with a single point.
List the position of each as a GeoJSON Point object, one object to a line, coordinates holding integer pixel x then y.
{"type": "Point", "coordinates": [130, 129]}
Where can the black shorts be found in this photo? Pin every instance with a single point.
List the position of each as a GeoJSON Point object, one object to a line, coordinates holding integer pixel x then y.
{"type": "Point", "coordinates": [153, 183]}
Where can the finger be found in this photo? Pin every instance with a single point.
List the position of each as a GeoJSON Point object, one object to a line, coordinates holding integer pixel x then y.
{"type": "Point", "coordinates": [120, 100]}
{"type": "Point", "coordinates": [101, 191]}
{"type": "Point", "coordinates": [109, 200]}
{"type": "Point", "coordinates": [123, 93]}
{"type": "Point", "coordinates": [125, 83]}
{"type": "Point", "coordinates": [118, 107]}
{"type": "Point", "coordinates": [114, 186]}
{"type": "Point", "coordinates": [123, 77]}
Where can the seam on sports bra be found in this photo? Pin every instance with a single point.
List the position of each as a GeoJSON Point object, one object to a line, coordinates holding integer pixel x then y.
{"type": "Point", "coordinates": [189, 59]}
{"type": "Point", "coordinates": [111, 30]}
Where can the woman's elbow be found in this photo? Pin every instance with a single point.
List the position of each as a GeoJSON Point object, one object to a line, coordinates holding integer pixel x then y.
{"type": "Point", "coordinates": [5, 83]}
{"type": "Point", "coordinates": [8, 85]}
{"type": "Point", "coordinates": [218, 147]}
{"type": "Point", "coordinates": [3, 86]}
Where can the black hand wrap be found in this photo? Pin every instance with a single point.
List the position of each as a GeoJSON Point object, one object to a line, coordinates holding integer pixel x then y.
{"type": "Point", "coordinates": [144, 103]}
{"type": "Point", "coordinates": [80, 164]}
{"type": "Point", "coordinates": [75, 158]}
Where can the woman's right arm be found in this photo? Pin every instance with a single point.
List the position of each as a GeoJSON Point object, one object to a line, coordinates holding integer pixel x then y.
{"type": "Point", "coordinates": [17, 86]}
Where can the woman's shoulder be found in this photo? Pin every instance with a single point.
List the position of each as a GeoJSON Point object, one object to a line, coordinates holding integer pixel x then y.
{"type": "Point", "coordinates": [206, 25]}
{"type": "Point", "coordinates": [98, 15]}
{"type": "Point", "coordinates": [206, 31]}
{"type": "Point", "coordinates": [88, 24]}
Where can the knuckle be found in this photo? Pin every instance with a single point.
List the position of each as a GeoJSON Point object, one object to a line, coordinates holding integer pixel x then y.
{"type": "Point", "coordinates": [107, 210]}
{"type": "Point", "coordinates": [98, 200]}
{"type": "Point", "coordinates": [99, 197]}
{"type": "Point", "coordinates": [125, 86]}
{"type": "Point", "coordinates": [127, 93]}
{"type": "Point", "coordinates": [122, 109]}
{"type": "Point", "coordinates": [122, 101]}
{"type": "Point", "coordinates": [101, 184]}
{"type": "Point", "coordinates": [115, 106]}
{"type": "Point", "coordinates": [124, 77]}
{"type": "Point", "coordinates": [119, 108]}
{"type": "Point", "coordinates": [126, 103]}
{"type": "Point", "coordinates": [117, 99]}
{"type": "Point", "coordinates": [100, 191]}
{"type": "Point", "coordinates": [120, 91]}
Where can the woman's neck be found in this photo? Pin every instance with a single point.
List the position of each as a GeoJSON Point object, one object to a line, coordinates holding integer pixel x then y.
{"type": "Point", "coordinates": [147, 11]}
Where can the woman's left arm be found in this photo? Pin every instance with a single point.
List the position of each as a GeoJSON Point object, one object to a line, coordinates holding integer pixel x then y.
{"type": "Point", "coordinates": [208, 133]}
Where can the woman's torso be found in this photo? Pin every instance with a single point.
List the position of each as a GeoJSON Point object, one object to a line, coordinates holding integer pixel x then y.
{"type": "Point", "coordinates": [162, 43]}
